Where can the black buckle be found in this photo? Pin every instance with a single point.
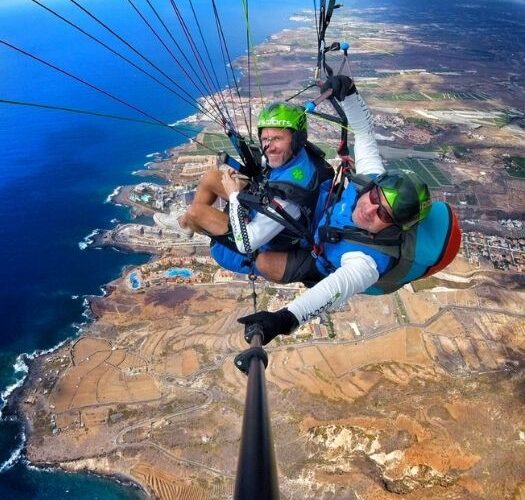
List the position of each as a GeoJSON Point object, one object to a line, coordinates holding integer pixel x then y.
{"type": "Point", "coordinates": [329, 234]}
{"type": "Point", "coordinates": [242, 360]}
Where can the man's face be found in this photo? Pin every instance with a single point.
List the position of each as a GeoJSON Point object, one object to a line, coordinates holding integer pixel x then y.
{"type": "Point", "coordinates": [365, 214]}
{"type": "Point", "coordinates": [277, 143]}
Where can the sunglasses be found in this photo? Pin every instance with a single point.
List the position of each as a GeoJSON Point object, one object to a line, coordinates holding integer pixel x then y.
{"type": "Point", "coordinates": [382, 212]}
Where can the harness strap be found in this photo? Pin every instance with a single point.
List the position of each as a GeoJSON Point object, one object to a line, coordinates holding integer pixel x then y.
{"type": "Point", "coordinates": [395, 276]}
{"type": "Point", "coordinates": [250, 154]}
{"type": "Point", "coordinates": [251, 253]}
{"type": "Point", "coordinates": [286, 220]}
{"type": "Point", "coordinates": [262, 202]}
{"type": "Point", "coordinates": [388, 244]}
{"type": "Point", "coordinates": [344, 68]}
{"type": "Point", "coordinates": [261, 196]}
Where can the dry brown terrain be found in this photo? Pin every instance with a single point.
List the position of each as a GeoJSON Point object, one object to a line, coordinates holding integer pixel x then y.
{"type": "Point", "coordinates": [427, 405]}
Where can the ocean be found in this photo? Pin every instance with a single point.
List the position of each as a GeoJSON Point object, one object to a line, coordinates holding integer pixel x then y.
{"type": "Point", "coordinates": [58, 169]}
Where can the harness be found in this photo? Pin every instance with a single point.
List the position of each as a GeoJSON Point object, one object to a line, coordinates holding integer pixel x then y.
{"type": "Point", "coordinates": [261, 197]}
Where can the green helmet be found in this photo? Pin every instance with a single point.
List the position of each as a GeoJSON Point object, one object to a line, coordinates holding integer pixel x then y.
{"type": "Point", "coordinates": [282, 115]}
{"type": "Point", "coordinates": [406, 194]}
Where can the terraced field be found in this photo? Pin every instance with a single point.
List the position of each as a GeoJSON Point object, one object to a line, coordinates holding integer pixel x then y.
{"type": "Point", "coordinates": [426, 169]}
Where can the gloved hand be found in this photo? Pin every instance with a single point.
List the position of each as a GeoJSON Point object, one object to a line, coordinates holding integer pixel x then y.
{"type": "Point", "coordinates": [281, 322]}
{"type": "Point", "coordinates": [341, 86]}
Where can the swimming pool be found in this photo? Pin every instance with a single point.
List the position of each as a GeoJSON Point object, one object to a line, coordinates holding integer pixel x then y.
{"type": "Point", "coordinates": [134, 280]}
{"type": "Point", "coordinates": [176, 272]}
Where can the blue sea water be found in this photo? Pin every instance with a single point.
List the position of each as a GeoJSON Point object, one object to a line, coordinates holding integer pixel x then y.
{"type": "Point", "coordinates": [57, 169]}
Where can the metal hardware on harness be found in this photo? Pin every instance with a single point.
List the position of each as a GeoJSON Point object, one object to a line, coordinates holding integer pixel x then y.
{"type": "Point", "coordinates": [242, 360]}
{"type": "Point", "coordinates": [329, 234]}
{"type": "Point", "coordinates": [249, 153]}
{"type": "Point", "coordinates": [225, 158]}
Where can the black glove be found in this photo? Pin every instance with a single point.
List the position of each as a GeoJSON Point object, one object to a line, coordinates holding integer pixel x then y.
{"type": "Point", "coordinates": [281, 322]}
{"type": "Point", "coordinates": [341, 86]}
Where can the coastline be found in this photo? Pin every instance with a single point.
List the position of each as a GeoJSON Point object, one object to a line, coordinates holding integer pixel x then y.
{"type": "Point", "coordinates": [33, 367]}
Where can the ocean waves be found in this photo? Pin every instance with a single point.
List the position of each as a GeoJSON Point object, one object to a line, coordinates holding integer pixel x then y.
{"type": "Point", "coordinates": [15, 456]}
{"type": "Point", "coordinates": [88, 240]}
{"type": "Point", "coordinates": [115, 193]}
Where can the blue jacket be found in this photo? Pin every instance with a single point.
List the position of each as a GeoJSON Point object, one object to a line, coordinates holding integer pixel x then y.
{"type": "Point", "coordinates": [299, 172]}
{"type": "Point", "coordinates": [342, 217]}
{"type": "Point", "coordinates": [298, 181]}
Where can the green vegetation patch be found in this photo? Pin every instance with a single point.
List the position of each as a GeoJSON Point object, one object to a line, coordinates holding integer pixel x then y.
{"type": "Point", "coordinates": [368, 85]}
{"type": "Point", "coordinates": [435, 96]}
{"type": "Point", "coordinates": [433, 282]}
{"type": "Point", "coordinates": [516, 167]}
{"type": "Point", "coordinates": [420, 122]}
{"type": "Point", "coordinates": [215, 141]}
{"type": "Point", "coordinates": [427, 148]}
{"type": "Point", "coordinates": [459, 151]}
{"type": "Point", "coordinates": [400, 311]}
{"type": "Point", "coordinates": [329, 151]}
{"type": "Point", "coordinates": [519, 161]}
{"type": "Point", "coordinates": [404, 96]}
{"type": "Point", "coordinates": [425, 284]}
{"type": "Point", "coordinates": [502, 120]}
{"type": "Point", "coordinates": [426, 169]}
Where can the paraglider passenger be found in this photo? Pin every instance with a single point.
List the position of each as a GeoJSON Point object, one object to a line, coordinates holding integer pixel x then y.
{"type": "Point", "coordinates": [241, 236]}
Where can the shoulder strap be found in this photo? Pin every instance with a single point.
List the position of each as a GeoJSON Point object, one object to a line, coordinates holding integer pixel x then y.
{"type": "Point", "coordinates": [387, 242]}
{"type": "Point", "coordinates": [261, 196]}
{"type": "Point", "coordinates": [317, 155]}
{"type": "Point", "coordinates": [395, 277]}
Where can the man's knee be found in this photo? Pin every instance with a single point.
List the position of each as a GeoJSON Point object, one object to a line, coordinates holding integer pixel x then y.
{"type": "Point", "coordinates": [271, 265]}
{"type": "Point", "coordinates": [203, 218]}
{"type": "Point", "coordinates": [197, 214]}
{"type": "Point", "coordinates": [211, 179]}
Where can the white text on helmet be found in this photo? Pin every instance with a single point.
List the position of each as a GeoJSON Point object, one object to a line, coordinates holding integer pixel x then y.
{"type": "Point", "coordinates": [275, 123]}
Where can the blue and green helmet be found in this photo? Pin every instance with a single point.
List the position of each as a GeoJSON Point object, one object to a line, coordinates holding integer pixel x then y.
{"type": "Point", "coordinates": [407, 196]}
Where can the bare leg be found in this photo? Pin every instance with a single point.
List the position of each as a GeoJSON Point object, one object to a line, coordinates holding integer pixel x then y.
{"type": "Point", "coordinates": [209, 189]}
{"type": "Point", "coordinates": [272, 265]}
{"type": "Point", "coordinates": [203, 218]}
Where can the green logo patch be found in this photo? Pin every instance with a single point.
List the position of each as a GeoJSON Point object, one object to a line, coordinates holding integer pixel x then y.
{"type": "Point", "coordinates": [297, 174]}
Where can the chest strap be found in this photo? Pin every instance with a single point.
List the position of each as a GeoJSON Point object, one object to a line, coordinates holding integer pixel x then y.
{"type": "Point", "coordinates": [388, 241]}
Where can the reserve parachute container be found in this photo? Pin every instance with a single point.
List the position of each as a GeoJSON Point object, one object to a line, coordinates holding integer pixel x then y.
{"type": "Point", "coordinates": [425, 249]}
